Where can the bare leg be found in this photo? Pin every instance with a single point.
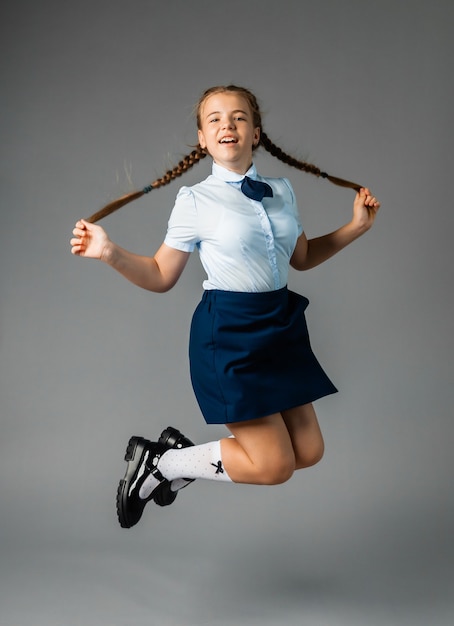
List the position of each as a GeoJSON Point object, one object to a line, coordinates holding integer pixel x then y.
{"type": "Point", "coordinates": [267, 451]}
{"type": "Point", "coordinates": [264, 451]}
{"type": "Point", "coordinates": [304, 430]}
{"type": "Point", "coordinates": [261, 452]}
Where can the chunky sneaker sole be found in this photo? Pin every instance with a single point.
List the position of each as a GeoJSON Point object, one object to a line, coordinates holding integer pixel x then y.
{"type": "Point", "coordinates": [129, 506]}
{"type": "Point", "coordinates": [170, 438]}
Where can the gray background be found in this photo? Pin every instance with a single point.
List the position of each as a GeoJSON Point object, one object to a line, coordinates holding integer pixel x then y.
{"type": "Point", "coordinates": [97, 99]}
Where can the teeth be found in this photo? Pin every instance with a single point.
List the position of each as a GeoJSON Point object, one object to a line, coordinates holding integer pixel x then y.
{"type": "Point", "coordinates": [228, 140]}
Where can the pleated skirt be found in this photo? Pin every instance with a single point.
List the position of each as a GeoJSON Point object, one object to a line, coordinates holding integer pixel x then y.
{"type": "Point", "coordinates": [250, 355]}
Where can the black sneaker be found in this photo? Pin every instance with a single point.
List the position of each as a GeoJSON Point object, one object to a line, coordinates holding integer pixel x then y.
{"type": "Point", "coordinates": [142, 456]}
{"type": "Point", "coordinates": [170, 438]}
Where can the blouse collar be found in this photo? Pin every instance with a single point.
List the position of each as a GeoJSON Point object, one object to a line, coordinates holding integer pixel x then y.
{"type": "Point", "coordinates": [232, 177]}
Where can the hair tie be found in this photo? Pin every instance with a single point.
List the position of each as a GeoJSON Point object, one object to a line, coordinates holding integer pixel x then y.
{"type": "Point", "coordinates": [324, 174]}
{"type": "Point", "coordinates": [148, 188]}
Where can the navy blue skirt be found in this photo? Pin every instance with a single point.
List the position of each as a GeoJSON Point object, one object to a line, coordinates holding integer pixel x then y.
{"type": "Point", "coordinates": [250, 355]}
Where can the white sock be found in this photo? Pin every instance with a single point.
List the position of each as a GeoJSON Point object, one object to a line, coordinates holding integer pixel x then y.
{"type": "Point", "coordinates": [180, 483]}
{"type": "Point", "coordinates": [148, 484]}
{"type": "Point", "coordinates": [202, 461]}
{"type": "Point", "coordinates": [182, 466]}
{"type": "Point", "coordinates": [151, 483]}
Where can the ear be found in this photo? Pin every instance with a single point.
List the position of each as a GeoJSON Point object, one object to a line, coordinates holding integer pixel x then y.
{"type": "Point", "coordinates": [202, 141]}
{"type": "Point", "coordinates": [256, 137]}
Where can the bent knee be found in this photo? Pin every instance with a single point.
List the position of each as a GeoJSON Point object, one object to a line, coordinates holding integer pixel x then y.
{"type": "Point", "coordinates": [278, 472]}
{"type": "Point", "coordinates": [311, 457]}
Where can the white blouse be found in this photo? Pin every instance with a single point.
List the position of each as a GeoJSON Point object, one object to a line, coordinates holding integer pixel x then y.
{"type": "Point", "coordinates": [244, 245]}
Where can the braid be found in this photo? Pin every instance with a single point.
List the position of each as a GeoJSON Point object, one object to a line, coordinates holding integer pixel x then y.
{"type": "Point", "coordinates": [200, 153]}
{"type": "Point", "coordinates": [264, 139]}
{"type": "Point", "coordinates": [183, 166]}
{"type": "Point", "coordinates": [275, 151]}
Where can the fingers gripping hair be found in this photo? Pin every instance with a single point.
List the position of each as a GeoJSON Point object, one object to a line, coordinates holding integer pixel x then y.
{"type": "Point", "coordinates": [183, 166]}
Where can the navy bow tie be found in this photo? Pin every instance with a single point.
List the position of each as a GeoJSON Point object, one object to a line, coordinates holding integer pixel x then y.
{"type": "Point", "coordinates": [255, 189]}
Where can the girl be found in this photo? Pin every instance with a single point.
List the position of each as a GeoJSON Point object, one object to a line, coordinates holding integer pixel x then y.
{"type": "Point", "coordinates": [252, 367]}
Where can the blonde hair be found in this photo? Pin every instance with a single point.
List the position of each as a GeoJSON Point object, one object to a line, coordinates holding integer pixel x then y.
{"type": "Point", "coordinates": [200, 153]}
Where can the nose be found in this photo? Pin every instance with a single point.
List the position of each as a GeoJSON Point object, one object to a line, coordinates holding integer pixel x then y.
{"type": "Point", "coordinates": [228, 122]}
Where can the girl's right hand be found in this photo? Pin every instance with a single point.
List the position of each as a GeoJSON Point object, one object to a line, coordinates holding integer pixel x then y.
{"type": "Point", "coordinates": [90, 240]}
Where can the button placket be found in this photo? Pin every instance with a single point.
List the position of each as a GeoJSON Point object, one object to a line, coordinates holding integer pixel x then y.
{"type": "Point", "coordinates": [265, 225]}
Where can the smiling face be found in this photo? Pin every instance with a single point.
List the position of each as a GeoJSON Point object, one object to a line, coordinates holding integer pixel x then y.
{"type": "Point", "coordinates": [227, 130]}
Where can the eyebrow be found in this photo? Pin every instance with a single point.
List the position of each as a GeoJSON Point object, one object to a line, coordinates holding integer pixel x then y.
{"type": "Point", "coordinates": [235, 111]}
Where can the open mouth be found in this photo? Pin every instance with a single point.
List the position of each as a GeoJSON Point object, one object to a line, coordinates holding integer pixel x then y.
{"type": "Point", "coordinates": [228, 140]}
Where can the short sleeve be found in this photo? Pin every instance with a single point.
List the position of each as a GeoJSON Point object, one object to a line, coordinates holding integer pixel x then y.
{"type": "Point", "coordinates": [182, 226]}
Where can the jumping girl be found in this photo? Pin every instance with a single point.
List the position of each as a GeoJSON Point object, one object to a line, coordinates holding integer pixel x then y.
{"type": "Point", "coordinates": [251, 363]}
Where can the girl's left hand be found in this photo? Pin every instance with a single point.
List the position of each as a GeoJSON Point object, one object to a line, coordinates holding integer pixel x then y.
{"type": "Point", "coordinates": [365, 208]}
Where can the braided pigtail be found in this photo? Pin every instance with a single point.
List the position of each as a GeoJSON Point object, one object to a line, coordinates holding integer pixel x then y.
{"type": "Point", "coordinates": [275, 151]}
{"type": "Point", "coordinates": [199, 153]}
{"type": "Point", "coordinates": [183, 166]}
